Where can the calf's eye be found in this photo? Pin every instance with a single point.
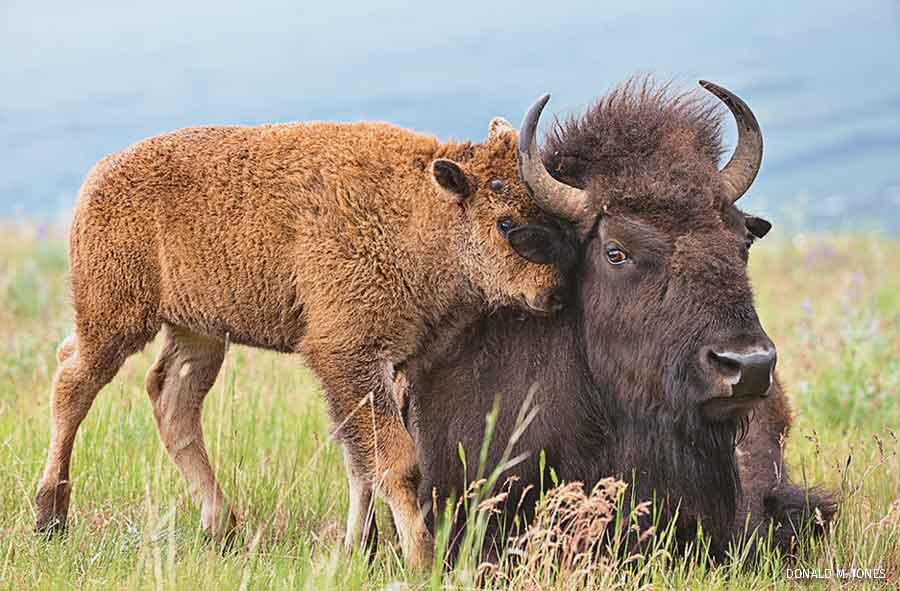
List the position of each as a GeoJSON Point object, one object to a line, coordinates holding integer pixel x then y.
{"type": "Point", "coordinates": [495, 185]}
{"type": "Point", "coordinates": [504, 225]}
{"type": "Point", "coordinates": [615, 255]}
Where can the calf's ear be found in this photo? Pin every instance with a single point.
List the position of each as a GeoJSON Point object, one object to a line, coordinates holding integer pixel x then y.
{"type": "Point", "coordinates": [451, 179]}
{"type": "Point", "coordinates": [500, 126]}
{"type": "Point", "coordinates": [534, 243]}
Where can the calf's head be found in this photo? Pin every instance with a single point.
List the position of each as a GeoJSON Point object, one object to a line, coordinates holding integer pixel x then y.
{"type": "Point", "coordinates": [510, 246]}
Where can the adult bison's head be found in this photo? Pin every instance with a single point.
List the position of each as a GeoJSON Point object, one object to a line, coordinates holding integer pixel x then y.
{"type": "Point", "coordinates": [666, 300]}
{"type": "Point", "coordinates": [670, 335]}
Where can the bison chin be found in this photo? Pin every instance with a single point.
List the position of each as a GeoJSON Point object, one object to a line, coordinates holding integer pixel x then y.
{"type": "Point", "coordinates": [718, 410]}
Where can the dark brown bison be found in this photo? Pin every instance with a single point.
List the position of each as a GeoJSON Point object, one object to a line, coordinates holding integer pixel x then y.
{"type": "Point", "coordinates": [659, 371]}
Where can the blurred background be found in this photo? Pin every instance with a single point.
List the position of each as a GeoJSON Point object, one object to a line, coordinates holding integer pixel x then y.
{"type": "Point", "coordinates": [83, 79]}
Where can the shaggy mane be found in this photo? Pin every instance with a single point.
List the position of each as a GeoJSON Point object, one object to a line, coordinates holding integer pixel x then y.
{"type": "Point", "coordinates": [644, 147]}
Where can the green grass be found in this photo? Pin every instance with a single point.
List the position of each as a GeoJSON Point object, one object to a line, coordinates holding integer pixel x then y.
{"type": "Point", "coordinates": [831, 303]}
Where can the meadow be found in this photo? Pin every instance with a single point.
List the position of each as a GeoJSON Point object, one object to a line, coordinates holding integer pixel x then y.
{"type": "Point", "coordinates": [830, 302]}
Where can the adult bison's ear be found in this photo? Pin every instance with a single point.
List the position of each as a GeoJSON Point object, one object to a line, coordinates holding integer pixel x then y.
{"type": "Point", "coordinates": [451, 179]}
{"type": "Point", "coordinates": [536, 243]}
{"type": "Point", "coordinates": [757, 226]}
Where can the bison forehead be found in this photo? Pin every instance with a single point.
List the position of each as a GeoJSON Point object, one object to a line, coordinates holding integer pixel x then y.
{"type": "Point", "coordinates": [712, 259]}
{"type": "Point", "coordinates": [674, 202]}
{"type": "Point", "coordinates": [645, 151]}
{"type": "Point", "coordinates": [722, 246]}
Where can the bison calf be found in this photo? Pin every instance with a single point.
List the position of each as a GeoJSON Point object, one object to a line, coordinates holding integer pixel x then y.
{"type": "Point", "coordinates": [347, 243]}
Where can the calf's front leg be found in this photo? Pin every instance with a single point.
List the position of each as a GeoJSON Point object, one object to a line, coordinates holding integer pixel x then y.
{"type": "Point", "coordinates": [378, 448]}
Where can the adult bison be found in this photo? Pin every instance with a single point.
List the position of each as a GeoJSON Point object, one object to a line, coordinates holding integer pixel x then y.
{"type": "Point", "coordinates": [659, 371]}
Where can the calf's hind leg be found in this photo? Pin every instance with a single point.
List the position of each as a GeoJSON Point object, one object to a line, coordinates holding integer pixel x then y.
{"type": "Point", "coordinates": [85, 366]}
{"type": "Point", "coordinates": [177, 383]}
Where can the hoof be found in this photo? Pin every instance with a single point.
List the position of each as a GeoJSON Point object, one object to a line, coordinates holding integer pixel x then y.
{"type": "Point", "coordinates": [52, 509]}
{"type": "Point", "coordinates": [50, 527]}
{"type": "Point", "coordinates": [421, 556]}
{"type": "Point", "coordinates": [224, 534]}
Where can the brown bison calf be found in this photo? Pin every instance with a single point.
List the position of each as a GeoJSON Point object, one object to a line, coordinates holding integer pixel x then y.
{"type": "Point", "coordinates": [348, 243]}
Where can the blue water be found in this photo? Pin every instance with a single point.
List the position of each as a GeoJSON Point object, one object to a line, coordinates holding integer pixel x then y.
{"type": "Point", "coordinates": [82, 79]}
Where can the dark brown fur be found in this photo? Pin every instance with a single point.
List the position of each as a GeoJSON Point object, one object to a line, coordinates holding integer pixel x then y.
{"type": "Point", "coordinates": [616, 377]}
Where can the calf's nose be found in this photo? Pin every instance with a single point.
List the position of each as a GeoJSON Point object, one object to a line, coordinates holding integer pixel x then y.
{"type": "Point", "coordinates": [548, 301]}
{"type": "Point", "coordinates": [749, 373]}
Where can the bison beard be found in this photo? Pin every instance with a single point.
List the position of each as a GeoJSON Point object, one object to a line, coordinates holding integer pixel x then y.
{"type": "Point", "coordinates": [689, 468]}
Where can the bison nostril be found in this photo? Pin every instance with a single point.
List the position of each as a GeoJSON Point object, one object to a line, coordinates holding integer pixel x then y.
{"type": "Point", "coordinates": [725, 364]}
{"type": "Point", "coordinates": [750, 374]}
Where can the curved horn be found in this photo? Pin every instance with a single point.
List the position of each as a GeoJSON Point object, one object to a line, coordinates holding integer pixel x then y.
{"type": "Point", "coordinates": [552, 196]}
{"type": "Point", "coordinates": [740, 171]}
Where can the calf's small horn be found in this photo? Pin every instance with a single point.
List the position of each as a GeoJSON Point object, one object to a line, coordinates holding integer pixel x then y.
{"type": "Point", "coordinates": [552, 196]}
{"type": "Point", "coordinates": [738, 174]}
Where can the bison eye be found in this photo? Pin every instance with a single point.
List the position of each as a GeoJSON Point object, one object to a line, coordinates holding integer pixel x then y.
{"type": "Point", "coordinates": [496, 185]}
{"type": "Point", "coordinates": [615, 255]}
{"type": "Point", "coordinates": [504, 225]}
